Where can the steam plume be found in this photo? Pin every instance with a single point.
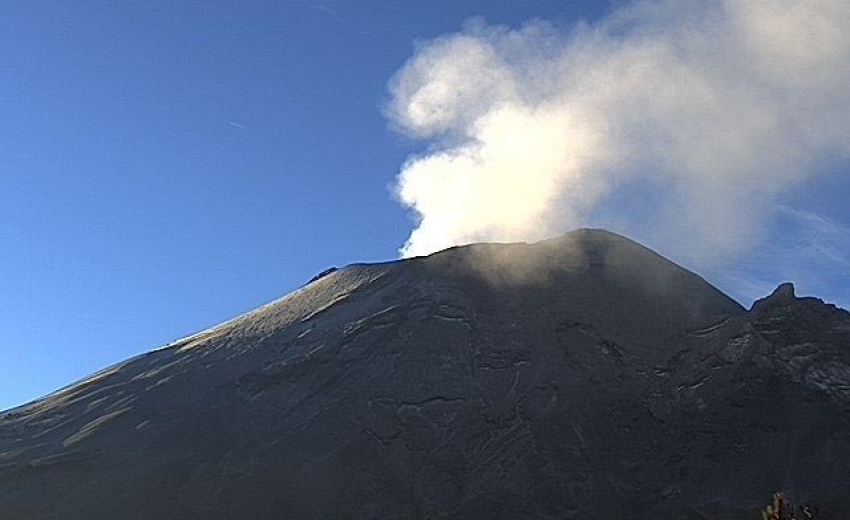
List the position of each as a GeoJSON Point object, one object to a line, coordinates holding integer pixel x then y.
{"type": "Point", "coordinates": [686, 117]}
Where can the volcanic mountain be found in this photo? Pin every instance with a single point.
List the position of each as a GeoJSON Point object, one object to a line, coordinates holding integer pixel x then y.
{"type": "Point", "coordinates": [582, 377]}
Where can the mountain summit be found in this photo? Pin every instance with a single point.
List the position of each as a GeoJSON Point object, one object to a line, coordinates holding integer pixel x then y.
{"type": "Point", "coordinates": [580, 377]}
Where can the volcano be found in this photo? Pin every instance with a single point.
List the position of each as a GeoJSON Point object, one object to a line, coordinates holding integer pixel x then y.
{"type": "Point", "coordinates": [581, 377]}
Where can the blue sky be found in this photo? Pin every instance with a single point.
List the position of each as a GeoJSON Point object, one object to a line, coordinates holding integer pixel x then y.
{"type": "Point", "coordinates": [166, 166]}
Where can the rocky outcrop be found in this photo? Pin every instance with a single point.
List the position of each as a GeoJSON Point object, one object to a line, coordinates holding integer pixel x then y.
{"type": "Point", "coordinates": [582, 377]}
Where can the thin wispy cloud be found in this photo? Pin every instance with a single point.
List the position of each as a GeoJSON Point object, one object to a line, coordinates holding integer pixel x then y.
{"type": "Point", "coordinates": [803, 247]}
{"type": "Point", "coordinates": [322, 8]}
{"type": "Point", "coordinates": [679, 122]}
{"type": "Point", "coordinates": [238, 125]}
{"type": "Point", "coordinates": [820, 237]}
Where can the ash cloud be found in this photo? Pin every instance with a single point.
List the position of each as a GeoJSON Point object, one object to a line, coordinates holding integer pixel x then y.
{"type": "Point", "coordinates": [678, 122]}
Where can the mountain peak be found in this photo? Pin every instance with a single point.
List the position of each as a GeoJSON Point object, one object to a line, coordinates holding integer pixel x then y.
{"type": "Point", "coordinates": [584, 373]}
{"type": "Point", "coordinates": [598, 276]}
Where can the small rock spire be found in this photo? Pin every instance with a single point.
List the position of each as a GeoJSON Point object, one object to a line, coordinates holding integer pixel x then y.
{"type": "Point", "coordinates": [785, 291]}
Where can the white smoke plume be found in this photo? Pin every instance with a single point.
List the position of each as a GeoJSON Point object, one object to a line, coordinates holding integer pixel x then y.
{"type": "Point", "coordinates": [690, 118]}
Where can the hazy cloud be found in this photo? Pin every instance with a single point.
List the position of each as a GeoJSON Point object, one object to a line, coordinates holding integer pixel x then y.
{"type": "Point", "coordinates": [675, 121]}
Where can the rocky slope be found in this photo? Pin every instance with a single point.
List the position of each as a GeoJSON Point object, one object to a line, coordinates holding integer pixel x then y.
{"type": "Point", "coordinates": [581, 377]}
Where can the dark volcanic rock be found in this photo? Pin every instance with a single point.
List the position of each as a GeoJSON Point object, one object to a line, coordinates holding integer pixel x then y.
{"type": "Point", "coordinates": [582, 377]}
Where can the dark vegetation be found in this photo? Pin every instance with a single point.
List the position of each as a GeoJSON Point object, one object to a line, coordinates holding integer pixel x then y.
{"type": "Point", "coordinates": [781, 509]}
